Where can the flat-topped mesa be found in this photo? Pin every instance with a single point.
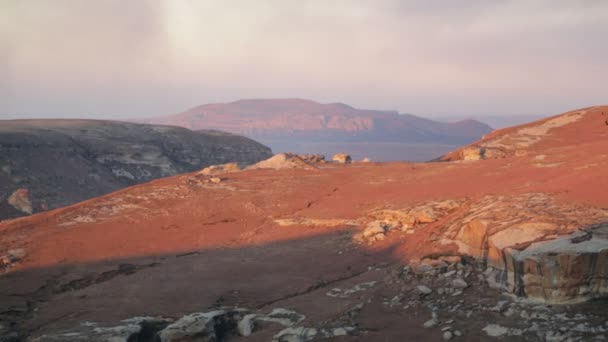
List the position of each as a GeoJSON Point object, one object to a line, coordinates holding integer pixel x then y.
{"type": "Point", "coordinates": [529, 138]}
{"type": "Point", "coordinates": [305, 120]}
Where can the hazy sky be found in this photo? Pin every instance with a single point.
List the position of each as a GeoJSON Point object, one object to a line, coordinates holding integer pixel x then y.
{"type": "Point", "coordinates": [113, 59]}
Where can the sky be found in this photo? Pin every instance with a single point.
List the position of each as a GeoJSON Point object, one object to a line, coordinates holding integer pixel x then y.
{"type": "Point", "coordinates": [126, 59]}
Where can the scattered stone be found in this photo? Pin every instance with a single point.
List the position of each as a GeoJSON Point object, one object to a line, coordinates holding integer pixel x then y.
{"type": "Point", "coordinates": [246, 325]}
{"type": "Point", "coordinates": [509, 312]}
{"type": "Point", "coordinates": [295, 334]}
{"type": "Point", "coordinates": [433, 322]}
{"type": "Point", "coordinates": [282, 316]}
{"type": "Point", "coordinates": [460, 283]}
{"type": "Point", "coordinates": [424, 290]}
{"type": "Point", "coordinates": [199, 326]}
{"type": "Point", "coordinates": [447, 335]}
{"type": "Point", "coordinates": [345, 293]}
{"type": "Point", "coordinates": [495, 330]}
{"type": "Point", "coordinates": [500, 306]}
{"type": "Point", "coordinates": [449, 274]}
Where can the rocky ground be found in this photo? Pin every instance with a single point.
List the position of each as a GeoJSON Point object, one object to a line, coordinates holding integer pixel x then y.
{"type": "Point", "coordinates": [511, 247]}
{"type": "Point", "coordinates": [448, 299]}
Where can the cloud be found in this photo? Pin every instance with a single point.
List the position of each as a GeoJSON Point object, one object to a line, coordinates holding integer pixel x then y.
{"type": "Point", "coordinates": [135, 58]}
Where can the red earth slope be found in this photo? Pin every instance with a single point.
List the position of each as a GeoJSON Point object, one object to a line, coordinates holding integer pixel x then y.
{"type": "Point", "coordinates": [264, 239]}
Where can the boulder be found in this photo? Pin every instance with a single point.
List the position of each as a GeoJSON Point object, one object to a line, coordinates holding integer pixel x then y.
{"type": "Point", "coordinates": [375, 231]}
{"type": "Point", "coordinates": [424, 290]}
{"type": "Point", "coordinates": [220, 169]}
{"type": "Point", "coordinates": [342, 158]}
{"type": "Point", "coordinates": [560, 270]}
{"type": "Point", "coordinates": [495, 330]}
{"type": "Point", "coordinates": [201, 327]}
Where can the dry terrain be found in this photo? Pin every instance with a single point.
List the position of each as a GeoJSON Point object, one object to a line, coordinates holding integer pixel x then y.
{"type": "Point", "coordinates": [505, 240]}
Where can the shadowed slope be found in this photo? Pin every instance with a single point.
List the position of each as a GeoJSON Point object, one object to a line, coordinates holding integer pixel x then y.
{"type": "Point", "coordinates": [59, 162]}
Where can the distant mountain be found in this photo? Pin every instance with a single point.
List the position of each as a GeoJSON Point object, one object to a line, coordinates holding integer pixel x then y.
{"type": "Point", "coordinates": [46, 164]}
{"type": "Point", "coordinates": [299, 122]}
{"type": "Point", "coordinates": [498, 121]}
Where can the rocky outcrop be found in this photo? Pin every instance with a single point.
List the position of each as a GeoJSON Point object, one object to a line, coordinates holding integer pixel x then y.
{"type": "Point", "coordinates": [47, 164]}
{"type": "Point", "coordinates": [10, 258]}
{"type": "Point", "coordinates": [406, 220]}
{"type": "Point", "coordinates": [535, 247]}
{"type": "Point", "coordinates": [20, 200]}
{"type": "Point", "coordinates": [571, 268]}
{"type": "Point", "coordinates": [514, 141]}
{"type": "Point", "coordinates": [342, 158]}
{"type": "Point", "coordinates": [284, 161]}
{"type": "Point", "coordinates": [220, 169]}
{"type": "Point", "coordinates": [210, 326]}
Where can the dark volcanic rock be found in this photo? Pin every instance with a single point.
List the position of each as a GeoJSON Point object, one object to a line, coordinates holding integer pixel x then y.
{"type": "Point", "coordinates": [59, 162]}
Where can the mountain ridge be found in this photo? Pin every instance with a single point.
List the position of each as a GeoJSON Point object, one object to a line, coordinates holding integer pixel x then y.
{"type": "Point", "coordinates": [47, 163]}
{"type": "Point", "coordinates": [274, 121]}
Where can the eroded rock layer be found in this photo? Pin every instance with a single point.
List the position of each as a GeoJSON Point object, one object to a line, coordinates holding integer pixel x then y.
{"type": "Point", "coordinates": [46, 164]}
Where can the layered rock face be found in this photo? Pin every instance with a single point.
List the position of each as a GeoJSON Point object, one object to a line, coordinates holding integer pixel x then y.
{"type": "Point", "coordinates": [530, 245]}
{"type": "Point", "coordinates": [533, 246]}
{"type": "Point", "coordinates": [52, 163]}
{"type": "Point", "coordinates": [568, 269]}
{"type": "Point", "coordinates": [513, 141]}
